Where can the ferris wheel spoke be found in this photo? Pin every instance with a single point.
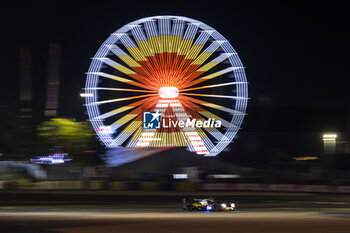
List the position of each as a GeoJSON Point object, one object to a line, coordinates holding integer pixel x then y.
{"type": "Point", "coordinates": [126, 133]}
{"type": "Point", "coordinates": [178, 27]}
{"type": "Point", "coordinates": [208, 114]}
{"type": "Point", "coordinates": [133, 126]}
{"type": "Point", "coordinates": [196, 73]}
{"type": "Point", "coordinates": [213, 86]}
{"type": "Point", "coordinates": [209, 65]}
{"type": "Point", "coordinates": [216, 96]}
{"type": "Point", "coordinates": [158, 41]}
{"type": "Point", "coordinates": [197, 61]}
{"type": "Point", "coordinates": [187, 50]}
{"type": "Point", "coordinates": [164, 34]}
{"type": "Point", "coordinates": [133, 114]}
{"type": "Point", "coordinates": [123, 56]}
{"type": "Point", "coordinates": [123, 109]}
{"type": "Point", "coordinates": [207, 142]}
{"type": "Point", "coordinates": [216, 134]}
{"type": "Point", "coordinates": [188, 38]}
{"type": "Point", "coordinates": [211, 115]}
{"type": "Point", "coordinates": [140, 65]}
{"type": "Point", "coordinates": [212, 131]}
{"type": "Point", "coordinates": [120, 79]}
{"type": "Point", "coordinates": [115, 65]}
{"type": "Point", "coordinates": [176, 41]}
{"type": "Point", "coordinates": [131, 46]}
{"type": "Point", "coordinates": [152, 34]}
{"type": "Point", "coordinates": [154, 37]}
{"type": "Point", "coordinates": [162, 43]}
{"type": "Point", "coordinates": [186, 65]}
{"type": "Point", "coordinates": [133, 140]}
{"type": "Point", "coordinates": [216, 106]}
{"type": "Point", "coordinates": [166, 41]}
{"type": "Point", "coordinates": [156, 46]}
{"type": "Point", "coordinates": [213, 75]}
{"type": "Point", "coordinates": [181, 45]}
{"type": "Point", "coordinates": [198, 44]}
{"type": "Point", "coordinates": [177, 33]}
{"type": "Point", "coordinates": [120, 99]}
{"type": "Point", "coordinates": [119, 89]}
{"type": "Point", "coordinates": [124, 70]}
{"type": "Point", "coordinates": [125, 119]}
{"type": "Point", "coordinates": [207, 52]}
{"type": "Point", "coordinates": [143, 50]}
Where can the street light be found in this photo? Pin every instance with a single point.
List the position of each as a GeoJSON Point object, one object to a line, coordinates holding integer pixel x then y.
{"type": "Point", "coordinates": [329, 143]}
{"type": "Point", "coordinates": [86, 95]}
{"type": "Point", "coordinates": [330, 136]}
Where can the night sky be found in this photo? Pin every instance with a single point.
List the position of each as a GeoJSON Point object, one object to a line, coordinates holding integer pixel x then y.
{"type": "Point", "coordinates": [294, 56]}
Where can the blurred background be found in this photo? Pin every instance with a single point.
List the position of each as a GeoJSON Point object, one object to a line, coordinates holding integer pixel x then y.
{"type": "Point", "coordinates": [296, 131]}
{"type": "Point", "coordinates": [287, 170]}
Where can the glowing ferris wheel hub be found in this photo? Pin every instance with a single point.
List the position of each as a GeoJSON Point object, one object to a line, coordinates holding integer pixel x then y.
{"type": "Point", "coordinates": [172, 66]}
{"type": "Point", "coordinates": [168, 92]}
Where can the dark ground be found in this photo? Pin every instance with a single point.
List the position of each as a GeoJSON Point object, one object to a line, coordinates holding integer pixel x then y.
{"type": "Point", "coordinates": [98, 211]}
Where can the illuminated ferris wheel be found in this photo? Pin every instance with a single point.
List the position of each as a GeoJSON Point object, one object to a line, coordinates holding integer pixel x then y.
{"type": "Point", "coordinates": [180, 70]}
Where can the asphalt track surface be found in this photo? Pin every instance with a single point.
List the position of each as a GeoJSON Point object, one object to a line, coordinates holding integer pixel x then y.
{"type": "Point", "coordinates": [70, 212]}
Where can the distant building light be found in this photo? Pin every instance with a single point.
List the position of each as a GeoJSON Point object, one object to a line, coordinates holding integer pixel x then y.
{"type": "Point", "coordinates": [224, 176]}
{"type": "Point", "coordinates": [331, 136]}
{"type": "Point", "coordinates": [26, 116]}
{"type": "Point", "coordinates": [153, 172]}
{"type": "Point", "coordinates": [329, 143]}
{"type": "Point", "coordinates": [26, 110]}
{"type": "Point", "coordinates": [50, 112]}
{"type": "Point", "coordinates": [180, 176]}
{"type": "Point", "coordinates": [86, 95]}
{"type": "Point", "coordinates": [58, 158]}
{"type": "Point", "coordinates": [305, 158]}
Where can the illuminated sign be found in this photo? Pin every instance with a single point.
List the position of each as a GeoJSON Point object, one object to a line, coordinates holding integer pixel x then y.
{"type": "Point", "coordinates": [191, 123]}
{"type": "Point", "coordinates": [151, 120]}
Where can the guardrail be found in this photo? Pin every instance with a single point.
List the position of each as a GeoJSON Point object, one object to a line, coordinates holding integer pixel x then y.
{"type": "Point", "coordinates": [257, 187]}
{"type": "Point", "coordinates": [174, 186]}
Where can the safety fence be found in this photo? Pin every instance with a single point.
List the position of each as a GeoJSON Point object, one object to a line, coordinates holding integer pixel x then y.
{"type": "Point", "coordinates": [173, 186]}
{"type": "Point", "coordinates": [103, 185]}
{"type": "Point", "coordinates": [257, 187]}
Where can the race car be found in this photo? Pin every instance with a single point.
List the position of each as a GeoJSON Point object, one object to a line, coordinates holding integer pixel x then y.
{"type": "Point", "coordinates": [207, 204]}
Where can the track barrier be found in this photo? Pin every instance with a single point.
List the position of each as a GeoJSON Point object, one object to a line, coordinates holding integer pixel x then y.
{"type": "Point", "coordinates": [148, 186]}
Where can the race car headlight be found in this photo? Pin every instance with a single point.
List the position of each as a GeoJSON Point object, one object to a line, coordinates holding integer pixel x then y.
{"type": "Point", "coordinates": [223, 205]}
{"type": "Point", "coordinates": [232, 205]}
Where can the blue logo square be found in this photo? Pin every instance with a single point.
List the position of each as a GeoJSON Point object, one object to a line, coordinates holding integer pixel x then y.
{"type": "Point", "coordinates": [151, 120]}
